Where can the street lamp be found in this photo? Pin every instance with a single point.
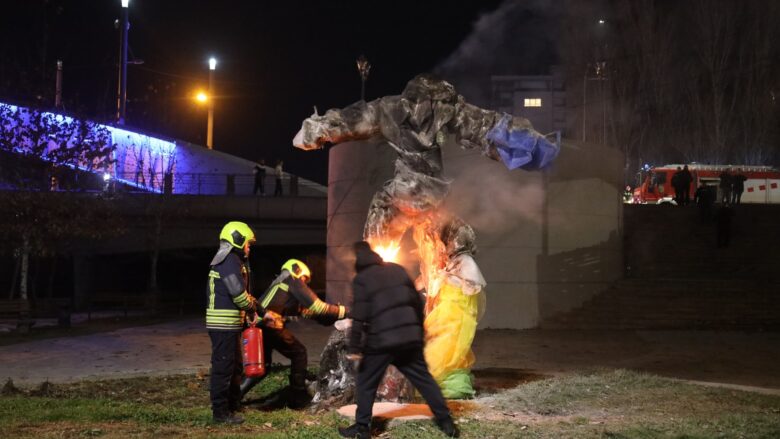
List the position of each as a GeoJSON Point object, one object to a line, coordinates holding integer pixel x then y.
{"type": "Point", "coordinates": [600, 71]}
{"type": "Point", "coordinates": [363, 67]}
{"type": "Point", "coordinates": [210, 128]}
{"type": "Point", "coordinates": [201, 97]}
{"type": "Point", "coordinates": [121, 105]}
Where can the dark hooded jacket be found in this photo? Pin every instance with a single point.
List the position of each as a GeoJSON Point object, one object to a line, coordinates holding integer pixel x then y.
{"type": "Point", "coordinates": [387, 312]}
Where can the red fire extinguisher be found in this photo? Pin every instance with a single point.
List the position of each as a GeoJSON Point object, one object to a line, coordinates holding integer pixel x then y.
{"type": "Point", "coordinates": [252, 349]}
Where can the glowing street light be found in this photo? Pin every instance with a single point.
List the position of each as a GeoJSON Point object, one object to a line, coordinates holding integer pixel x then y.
{"type": "Point", "coordinates": [210, 127]}
{"type": "Point", "coordinates": [364, 67]}
{"type": "Point", "coordinates": [121, 105]}
{"type": "Point", "coordinates": [201, 97]}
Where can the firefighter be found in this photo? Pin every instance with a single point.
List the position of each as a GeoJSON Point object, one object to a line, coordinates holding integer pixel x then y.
{"type": "Point", "coordinates": [229, 303]}
{"type": "Point", "coordinates": [287, 296]}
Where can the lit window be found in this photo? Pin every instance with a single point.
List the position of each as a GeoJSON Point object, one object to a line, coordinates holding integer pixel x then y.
{"type": "Point", "coordinates": [537, 102]}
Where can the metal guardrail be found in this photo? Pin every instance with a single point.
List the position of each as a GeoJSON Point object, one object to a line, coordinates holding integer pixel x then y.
{"type": "Point", "coordinates": [188, 184]}
{"type": "Point", "coordinates": [217, 184]}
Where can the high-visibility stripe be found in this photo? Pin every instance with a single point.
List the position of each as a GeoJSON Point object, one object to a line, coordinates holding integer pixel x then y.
{"type": "Point", "coordinates": [227, 327]}
{"type": "Point", "coordinates": [242, 300]}
{"type": "Point", "coordinates": [223, 312]}
{"type": "Point", "coordinates": [318, 307]}
{"type": "Point", "coordinates": [212, 275]}
{"type": "Point", "coordinates": [272, 293]}
{"type": "Point", "coordinates": [342, 311]}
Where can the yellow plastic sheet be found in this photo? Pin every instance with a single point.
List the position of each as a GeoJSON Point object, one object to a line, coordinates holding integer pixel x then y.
{"type": "Point", "coordinates": [449, 331]}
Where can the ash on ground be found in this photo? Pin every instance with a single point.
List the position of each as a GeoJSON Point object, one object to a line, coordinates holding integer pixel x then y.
{"type": "Point", "coordinates": [336, 379]}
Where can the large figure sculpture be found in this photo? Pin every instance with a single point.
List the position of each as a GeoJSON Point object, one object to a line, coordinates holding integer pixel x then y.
{"type": "Point", "coordinates": [416, 124]}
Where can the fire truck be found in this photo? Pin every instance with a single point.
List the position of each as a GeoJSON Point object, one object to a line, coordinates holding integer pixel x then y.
{"type": "Point", "coordinates": [761, 185]}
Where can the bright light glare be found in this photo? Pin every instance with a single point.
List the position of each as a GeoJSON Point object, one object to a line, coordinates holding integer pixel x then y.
{"type": "Point", "coordinates": [106, 176]}
{"type": "Point", "coordinates": [212, 63]}
{"type": "Point", "coordinates": [388, 252]}
{"type": "Point", "coordinates": [125, 3]}
{"type": "Point", "coordinates": [602, 21]}
{"type": "Point", "coordinates": [201, 97]}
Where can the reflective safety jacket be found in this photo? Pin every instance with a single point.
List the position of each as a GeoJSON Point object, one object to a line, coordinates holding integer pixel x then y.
{"type": "Point", "coordinates": [228, 294]}
{"type": "Point", "coordinates": [288, 296]}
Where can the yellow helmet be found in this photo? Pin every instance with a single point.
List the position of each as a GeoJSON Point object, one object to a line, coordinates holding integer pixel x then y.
{"type": "Point", "coordinates": [237, 234]}
{"type": "Point", "coordinates": [297, 268]}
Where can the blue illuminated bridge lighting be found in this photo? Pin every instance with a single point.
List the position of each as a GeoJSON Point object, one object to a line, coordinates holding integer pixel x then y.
{"type": "Point", "coordinates": [139, 160]}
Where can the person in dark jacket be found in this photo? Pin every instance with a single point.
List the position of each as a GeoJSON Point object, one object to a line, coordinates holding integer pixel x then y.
{"type": "Point", "coordinates": [725, 187]}
{"type": "Point", "coordinates": [737, 187]}
{"type": "Point", "coordinates": [228, 302]}
{"type": "Point", "coordinates": [288, 296]}
{"type": "Point", "coordinates": [387, 328]}
{"type": "Point", "coordinates": [685, 186]}
{"type": "Point", "coordinates": [259, 178]}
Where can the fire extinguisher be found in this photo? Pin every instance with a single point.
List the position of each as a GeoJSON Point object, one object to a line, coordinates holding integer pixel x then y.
{"type": "Point", "coordinates": [252, 350]}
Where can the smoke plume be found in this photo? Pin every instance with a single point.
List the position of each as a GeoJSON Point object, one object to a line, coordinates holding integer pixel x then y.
{"type": "Point", "coordinates": [519, 38]}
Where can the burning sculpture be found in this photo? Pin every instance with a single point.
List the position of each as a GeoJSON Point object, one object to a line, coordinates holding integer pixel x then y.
{"type": "Point", "coordinates": [416, 124]}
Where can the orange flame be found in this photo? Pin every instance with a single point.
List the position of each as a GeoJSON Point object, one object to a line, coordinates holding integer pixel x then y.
{"type": "Point", "coordinates": [388, 251]}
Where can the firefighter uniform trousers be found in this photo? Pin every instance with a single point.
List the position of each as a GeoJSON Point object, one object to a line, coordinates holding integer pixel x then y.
{"type": "Point", "coordinates": [284, 342]}
{"type": "Point", "coordinates": [226, 371]}
{"type": "Point", "coordinates": [411, 363]}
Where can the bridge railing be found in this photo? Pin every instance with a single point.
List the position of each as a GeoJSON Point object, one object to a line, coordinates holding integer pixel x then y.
{"type": "Point", "coordinates": [200, 184]}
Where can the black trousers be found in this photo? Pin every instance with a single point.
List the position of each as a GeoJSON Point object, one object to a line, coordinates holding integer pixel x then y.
{"type": "Point", "coordinates": [278, 187]}
{"type": "Point", "coordinates": [226, 370]}
{"type": "Point", "coordinates": [284, 342]}
{"type": "Point", "coordinates": [411, 363]}
{"type": "Point", "coordinates": [259, 185]}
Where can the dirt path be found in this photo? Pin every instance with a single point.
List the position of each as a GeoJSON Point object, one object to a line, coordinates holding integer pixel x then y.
{"type": "Point", "coordinates": [746, 359]}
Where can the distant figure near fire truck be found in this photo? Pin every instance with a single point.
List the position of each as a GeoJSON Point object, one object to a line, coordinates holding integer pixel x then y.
{"type": "Point", "coordinates": [761, 184]}
{"type": "Point", "coordinates": [416, 124]}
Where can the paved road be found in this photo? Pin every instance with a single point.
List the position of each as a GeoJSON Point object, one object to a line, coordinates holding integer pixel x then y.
{"type": "Point", "coordinates": [749, 359]}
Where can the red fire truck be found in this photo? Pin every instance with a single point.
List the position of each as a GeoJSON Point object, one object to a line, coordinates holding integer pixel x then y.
{"type": "Point", "coordinates": [761, 185]}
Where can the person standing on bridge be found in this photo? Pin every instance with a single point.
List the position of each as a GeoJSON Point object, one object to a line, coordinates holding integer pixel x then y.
{"type": "Point", "coordinates": [279, 175]}
{"type": "Point", "coordinates": [229, 302]}
{"type": "Point", "coordinates": [259, 178]}
{"type": "Point", "coordinates": [287, 296]}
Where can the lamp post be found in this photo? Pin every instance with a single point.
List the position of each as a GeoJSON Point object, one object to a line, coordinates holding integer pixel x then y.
{"type": "Point", "coordinates": [121, 105]}
{"type": "Point", "coordinates": [363, 67]}
{"type": "Point", "coordinates": [210, 128]}
{"type": "Point", "coordinates": [600, 70]}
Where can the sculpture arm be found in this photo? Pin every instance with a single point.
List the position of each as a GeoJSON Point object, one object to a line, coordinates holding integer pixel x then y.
{"type": "Point", "coordinates": [504, 137]}
{"type": "Point", "coordinates": [357, 121]}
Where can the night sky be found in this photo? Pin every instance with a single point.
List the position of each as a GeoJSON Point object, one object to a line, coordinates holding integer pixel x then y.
{"type": "Point", "coordinates": [276, 61]}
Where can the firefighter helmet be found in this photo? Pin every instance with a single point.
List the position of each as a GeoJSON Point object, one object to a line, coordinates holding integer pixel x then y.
{"type": "Point", "coordinates": [237, 234]}
{"type": "Point", "coordinates": [297, 269]}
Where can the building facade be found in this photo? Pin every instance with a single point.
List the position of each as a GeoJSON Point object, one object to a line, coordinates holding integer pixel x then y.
{"type": "Point", "coordinates": [540, 99]}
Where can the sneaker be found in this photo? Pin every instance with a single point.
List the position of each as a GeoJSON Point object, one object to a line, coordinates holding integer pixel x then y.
{"type": "Point", "coordinates": [227, 418]}
{"type": "Point", "coordinates": [448, 427]}
{"type": "Point", "coordinates": [356, 431]}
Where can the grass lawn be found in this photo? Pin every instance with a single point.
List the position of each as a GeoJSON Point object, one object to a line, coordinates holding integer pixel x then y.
{"type": "Point", "coordinates": [605, 404]}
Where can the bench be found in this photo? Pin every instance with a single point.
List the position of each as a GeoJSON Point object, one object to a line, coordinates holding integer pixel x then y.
{"type": "Point", "coordinates": [121, 302]}
{"type": "Point", "coordinates": [59, 308]}
{"type": "Point", "coordinates": [19, 309]}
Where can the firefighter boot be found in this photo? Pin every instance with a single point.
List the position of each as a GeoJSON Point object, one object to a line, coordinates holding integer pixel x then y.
{"type": "Point", "coordinates": [299, 397]}
{"type": "Point", "coordinates": [358, 431]}
{"type": "Point", "coordinates": [248, 383]}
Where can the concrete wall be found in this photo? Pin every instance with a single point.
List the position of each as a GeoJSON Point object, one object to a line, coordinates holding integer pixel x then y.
{"type": "Point", "coordinates": [356, 170]}
{"type": "Point", "coordinates": [547, 241]}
